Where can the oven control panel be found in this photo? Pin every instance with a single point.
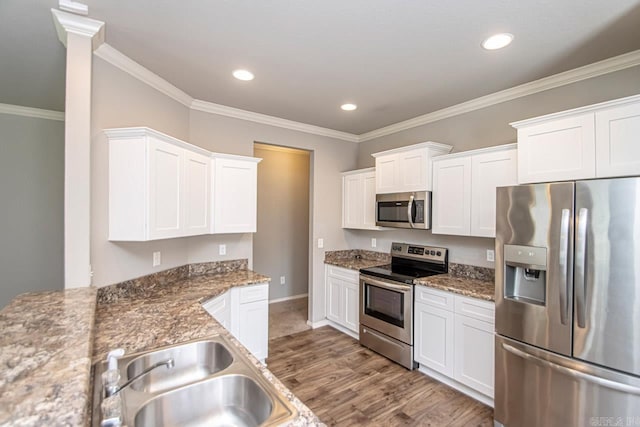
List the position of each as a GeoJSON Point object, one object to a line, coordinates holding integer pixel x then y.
{"type": "Point", "coordinates": [427, 253]}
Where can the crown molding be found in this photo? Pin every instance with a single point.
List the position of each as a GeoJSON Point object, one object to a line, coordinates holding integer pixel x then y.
{"type": "Point", "coordinates": [128, 65]}
{"type": "Point", "coordinates": [606, 66]}
{"type": "Point", "coordinates": [66, 22]}
{"type": "Point", "coordinates": [73, 7]}
{"type": "Point", "coordinates": [223, 110]}
{"type": "Point", "coordinates": [18, 110]}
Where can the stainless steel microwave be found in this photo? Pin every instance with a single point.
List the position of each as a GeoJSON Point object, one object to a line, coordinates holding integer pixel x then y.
{"type": "Point", "coordinates": [404, 210]}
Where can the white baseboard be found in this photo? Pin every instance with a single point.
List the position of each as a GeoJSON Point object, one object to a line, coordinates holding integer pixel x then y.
{"type": "Point", "coordinates": [318, 324]}
{"type": "Point", "coordinates": [273, 301]}
{"type": "Point", "coordinates": [456, 385]}
{"type": "Point", "coordinates": [344, 330]}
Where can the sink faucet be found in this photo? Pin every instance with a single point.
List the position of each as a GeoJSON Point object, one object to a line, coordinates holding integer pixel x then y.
{"type": "Point", "coordinates": [111, 390]}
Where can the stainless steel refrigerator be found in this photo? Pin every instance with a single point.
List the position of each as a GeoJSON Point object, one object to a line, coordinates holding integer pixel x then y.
{"type": "Point", "coordinates": [568, 304]}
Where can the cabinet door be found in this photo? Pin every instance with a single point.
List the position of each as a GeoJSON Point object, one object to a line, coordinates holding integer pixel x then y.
{"type": "Point", "coordinates": [488, 172]}
{"type": "Point", "coordinates": [618, 141]}
{"type": "Point", "coordinates": [474, 354]}
{"type": "Point", "coordinates": [165, 183]}
{"type": "Point", "coordinates": [413, 170]}
{"type": "Point", "coordinates": [352, 214]}
{"type": "Point", "coordinates": [387, 174]}
{"type": "Point", "coordinates": [253, 330]}
{"type": "Point", "coordinates": [219, 308]}
{"type": "Point", "coordinates": [334, 299]}
{"type": "Point", "coordinates": [434, 338]}
{"type": "Point", "coordinates": [196, 197]}
{"type": "Point", "coordinates": [351, 306]}
{"type": "Point", "coordinates": [235, 196]}
{"type": "Point", "coordinates": [559, 150]}
{"type": "Point", "coordinates": [452, 196]}
{"type": "Point", "coordinates": [369, 208]}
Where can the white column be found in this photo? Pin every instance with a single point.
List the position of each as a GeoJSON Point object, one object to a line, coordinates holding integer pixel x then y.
{"type": "Point", "coordinates": [80, 35]}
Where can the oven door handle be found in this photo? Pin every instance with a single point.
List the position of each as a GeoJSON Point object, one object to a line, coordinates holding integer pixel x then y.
{"type": "Point", "coordinates": [380, 283]}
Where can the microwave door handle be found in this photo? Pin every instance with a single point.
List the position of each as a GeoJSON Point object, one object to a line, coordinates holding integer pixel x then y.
{"type": "Point", "coordinates": [410, 211]}
{"type": "Point", "coordinates": [580, 279]}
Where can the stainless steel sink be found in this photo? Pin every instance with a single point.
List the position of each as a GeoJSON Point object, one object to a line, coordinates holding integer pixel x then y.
{"type": "Point", "coordinates": [211, 383]}
{"type": "Point", "coordinates": [229, 400]}
{"type": "Point", "coordinates": [192, 362]}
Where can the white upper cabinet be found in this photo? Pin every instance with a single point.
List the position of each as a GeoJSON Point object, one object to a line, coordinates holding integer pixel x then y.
{"type": "Point", "coordinates": [235, 189]}
{"type": "Point", "coordinates": [158, 186]}
{"type": "Point", "coordinates": [359, 199]}
{"type": "Point", "coordinates": [407, 169]}
{"type": "Point", "coordinates": [596, 141]}
{"type": "Point", "coordinates": [464, 189]}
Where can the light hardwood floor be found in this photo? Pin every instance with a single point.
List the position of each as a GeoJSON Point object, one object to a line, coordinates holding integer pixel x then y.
{"type": "Point", "coordinates": [348, 385]}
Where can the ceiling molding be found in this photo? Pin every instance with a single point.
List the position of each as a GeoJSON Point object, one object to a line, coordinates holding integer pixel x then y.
{"type": "Point", "coordinates": [73, 7]}
{"type": "Point", "coordinates": [66, 22]}
{"type": "Point", "coordinates": [606, 66]}
{"type": "Point", "coordinates": [18, 110]}
{"type": "Point", "coordinates": [128, 65]}
{"type": "Point", "coordinates": [223, 110]}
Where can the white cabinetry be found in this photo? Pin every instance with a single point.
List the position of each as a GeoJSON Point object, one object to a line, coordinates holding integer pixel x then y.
{"type": "Point", "coordinates": [408, 168]}
{"type": "Point", "coordinates": [235, 186]}
{"type": "Point", "coordinates": [342, 299]}
{"type": "Point", "coordinates": [158, 186]}
{"type": "Point", "coordinates": [464, 189]}
{"type": "Point", "coordinates": [359, 199]}
{"type": "Point", "coordinates": [454, 341]}
{"type": "Point", "coordinates": [244, 311]}
{"type": "Point", "coordinates": [596, 141]}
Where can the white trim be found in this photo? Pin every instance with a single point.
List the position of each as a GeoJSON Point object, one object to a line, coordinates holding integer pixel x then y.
{"type": "Point", "coordinates": [437, 148]}
{"type": "Point", "coordinates": [576, 111]}
{"type": "Point", "coordinates": [485, 150]}
{"type": "Point", "coordinates": [236, 113]}
{"type": "Point", "coordinates": [487, 400]}
{"type": "Point", "coordinates": [66, 22]}
{"type": "Point", "coordinates": [215, 155]}
{"type": "Point", "coordinates": [128, 65]}
{"type": "Point", "coordinates": [74, 7]}
{"type": "Point", "coordinates": [606, 66]}
{"type": "Point", "coordinates": [142, 131]}
{"type": "Point", "coordinates": [358, 171]}
{"type": "Point", "coordinates": [288, 298]}
{"type": "Point", "coordinates": [318, 324]}
{"type": "Point", "coordinates": [18, 110]}
{"type": "Point", "coordinates": [344, 330]}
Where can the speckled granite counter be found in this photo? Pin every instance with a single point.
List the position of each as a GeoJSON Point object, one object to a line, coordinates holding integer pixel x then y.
{"type": "Point", "coordinates": [49, 339]}
{"type": "Point", "coordinates": [470, 281]}
{"type": "Point", "coordinates": [45, 357]}
{"type": "Point", "coordinates": [355, 259]}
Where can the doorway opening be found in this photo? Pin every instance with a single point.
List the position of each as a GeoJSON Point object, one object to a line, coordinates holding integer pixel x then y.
{"type": "Point", "coordinates": [281, 243]}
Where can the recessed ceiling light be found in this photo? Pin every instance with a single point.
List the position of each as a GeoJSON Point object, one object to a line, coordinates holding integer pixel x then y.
{"type": "Point", "coordinates": [243, 75]}
{"type": "Point", "coordinates": [348, 107]}
{"type": "Point", "coordinates": [497, 41]}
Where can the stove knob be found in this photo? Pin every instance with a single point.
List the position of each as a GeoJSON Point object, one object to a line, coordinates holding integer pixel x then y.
{"type": "Point", "coordinates": [433, 252]}
{"type": "Point", "coordinates": [439, 253]}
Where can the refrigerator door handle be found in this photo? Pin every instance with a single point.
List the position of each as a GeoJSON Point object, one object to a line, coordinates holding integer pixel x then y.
{"type": "Point", "coordinates": [563, 260]}
{"type": "Point", "coordinates": [603, 382]}
{"type": "Point", "coordinates": [581, 260]}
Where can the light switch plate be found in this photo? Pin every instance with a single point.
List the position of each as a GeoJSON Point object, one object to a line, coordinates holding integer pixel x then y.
{"type": "Point", "coordinates": [157, 259]}
{"type": "Point", "coordinates": [222, 249]}
{"type": "Point", "coordinates": [490, 255]}
{"type": "Point", "coordinates": [374, 242]}
{"type": "Point", "coordinates": [282, 280]}
{"type": "Point", "coordinates": [320, 243]}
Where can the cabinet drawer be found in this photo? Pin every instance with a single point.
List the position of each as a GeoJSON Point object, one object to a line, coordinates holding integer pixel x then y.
{"type": "Point", "coordinates": [434, 297]}
{"type": "Point", "coordinates": [343, 273]}
{"type": "Point", "coordinates": [253, 293]}
{"type": "Point", "coordinates": [475, 308]}
{"type": "Point", "coordinates": [217, 305]}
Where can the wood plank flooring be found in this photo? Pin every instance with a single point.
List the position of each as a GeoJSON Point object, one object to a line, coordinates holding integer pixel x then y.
{"type": "Point", "coordinates": [348, 385]}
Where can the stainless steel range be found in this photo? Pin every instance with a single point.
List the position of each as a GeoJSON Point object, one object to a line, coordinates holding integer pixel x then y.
{"type": "Point", "coordinates": [386, 299]}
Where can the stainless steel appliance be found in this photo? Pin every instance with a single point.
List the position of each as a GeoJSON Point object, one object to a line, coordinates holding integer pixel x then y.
{"type": "Point", "coordinates": [386, 299]}
{"type": "Point", "coordinates": [567, 303]}
{"type": "Point", "coordinates": [404, 210]}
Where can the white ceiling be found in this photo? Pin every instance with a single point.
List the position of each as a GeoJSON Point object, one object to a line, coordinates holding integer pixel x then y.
{"type": "Point", "coordinates": [395, 59]}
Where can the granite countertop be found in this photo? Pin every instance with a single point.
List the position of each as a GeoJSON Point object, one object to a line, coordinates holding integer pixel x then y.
{"type": "Point", "coordinates": [51, 339]}
{"type": "Point", "coordinates": [355, 259]}
{"type": "Point", "coordinates": [45, 355]}
{"type": "Point", "coordinates": [470, 281]}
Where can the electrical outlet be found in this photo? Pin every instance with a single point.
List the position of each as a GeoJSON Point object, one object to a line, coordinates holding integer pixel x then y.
{"type": "Point", "coordinates": [490, 255]}
{"type": "Point", "coordinates": [222, 249]}
{"type": "Point", "coordinates": [374, 242]}
{"type": "Point", "coordinates": [157, 260]}
{"type": "Point", "coordinates": [282, 280]}
{"type": "Point", "coordinates": [320, 243]}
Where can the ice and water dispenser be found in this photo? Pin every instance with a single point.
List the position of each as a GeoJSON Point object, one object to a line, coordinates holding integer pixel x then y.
{"type": "Point", "coordinates": [525, 275]}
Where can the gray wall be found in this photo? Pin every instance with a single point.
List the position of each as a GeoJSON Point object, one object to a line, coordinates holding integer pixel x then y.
{"type": "Point", "coordinates": [32, 213]}
{"type": "Point", "coordinates": [281, 245]}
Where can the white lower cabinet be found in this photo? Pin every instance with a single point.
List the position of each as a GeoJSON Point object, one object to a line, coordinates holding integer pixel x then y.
{"type": "Point", "coordinates": [244, 311]}
{"type": "Point", "coordinates": [454, 341]}
{"type": "Point", "coordinates": [342, 299]}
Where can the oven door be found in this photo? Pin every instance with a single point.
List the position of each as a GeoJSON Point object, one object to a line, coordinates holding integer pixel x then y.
{"type": "Point", "coordinates": [387, 307]}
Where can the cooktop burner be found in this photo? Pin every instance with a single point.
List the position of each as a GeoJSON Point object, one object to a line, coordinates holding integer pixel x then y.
{"type": "Point", "coordinates": [404, 275]}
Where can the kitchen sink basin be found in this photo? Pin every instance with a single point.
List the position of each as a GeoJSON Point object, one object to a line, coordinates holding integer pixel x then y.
{"type": "Point", "coordinates": [208, 382]}
{"type": "Point", "coordinates": [192, 362]}
{"type": "Point", "coordinates": [229, 400]}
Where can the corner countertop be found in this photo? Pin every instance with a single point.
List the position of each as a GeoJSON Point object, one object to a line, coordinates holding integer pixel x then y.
{"type": "Point", "coordinates": [51, 339]}
{"type": "Point", "coordinates": [355, 259]}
